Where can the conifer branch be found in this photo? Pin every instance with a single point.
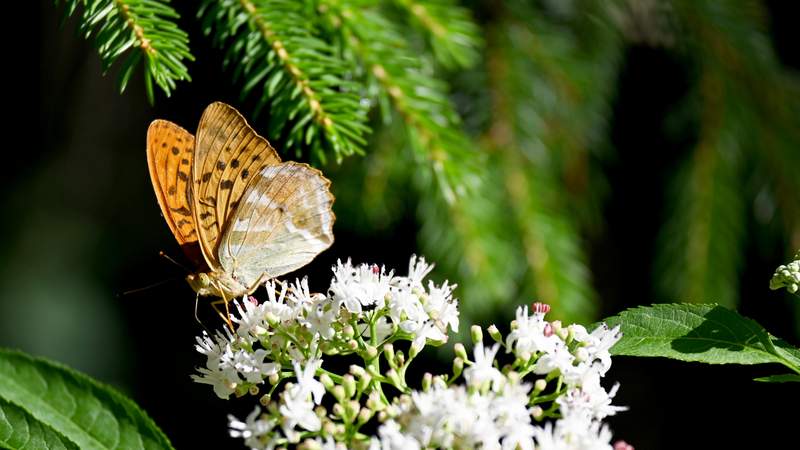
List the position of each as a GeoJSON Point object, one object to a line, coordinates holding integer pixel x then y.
{"type": "Point", "coordinates": [453, 35]}
{"type": "Point", "coordinates": [311, 100]}
{"type": "Point", "coordinates": [432, 124]}
{"type": "Point", "coordinates": [145, 30]}
{"type": "Point", "coordinates": [454, 197]}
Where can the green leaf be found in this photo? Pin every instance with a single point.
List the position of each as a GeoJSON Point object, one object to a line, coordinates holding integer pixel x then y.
{"type": "Point", "coordinates": [54, 404]}
{"type": "Point", "coordinates": [706, 333]}
{"type": "Point", "coordinates": [784, 378]}
{"type": "Point", "coordinates": [20, 430]}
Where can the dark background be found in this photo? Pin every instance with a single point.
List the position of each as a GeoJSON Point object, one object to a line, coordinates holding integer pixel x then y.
{"type": "Point", "coordinates": [81, 226]}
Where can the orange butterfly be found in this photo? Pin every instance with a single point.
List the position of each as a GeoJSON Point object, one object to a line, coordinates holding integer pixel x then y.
{"type": "Point", "coordinates": [239, 213]}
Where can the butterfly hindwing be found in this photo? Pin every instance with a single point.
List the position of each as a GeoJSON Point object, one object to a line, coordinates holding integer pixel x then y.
{"type": "Point", "coordinates": [283, 221]}
{"type": "Point", "coordinates": [170, 151]}
{"type": "Point", "coordinates": [228, 153]}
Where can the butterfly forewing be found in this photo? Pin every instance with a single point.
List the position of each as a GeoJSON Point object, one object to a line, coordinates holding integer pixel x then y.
{"type": "Point", "coordinates": [228, 153]}
{"type": "Point", "coordinates": [170, 149]}
{"type": "Point", "coordinates": [283, 221]}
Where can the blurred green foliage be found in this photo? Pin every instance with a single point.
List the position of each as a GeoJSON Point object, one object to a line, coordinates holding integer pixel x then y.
{"type": "Point", "coordinates": [495, 131]}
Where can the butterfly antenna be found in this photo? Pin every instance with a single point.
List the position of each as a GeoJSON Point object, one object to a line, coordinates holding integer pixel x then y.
{"type": "Point", "coordinates": [168, 258]}
{"type": "Point", "coordinates": [197, 318]}
{"type": "Point", "coordinates": [150, 286]}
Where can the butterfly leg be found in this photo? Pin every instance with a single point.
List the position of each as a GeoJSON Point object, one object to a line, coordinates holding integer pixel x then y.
{"type": "Point", "coordinates": [225, 315]}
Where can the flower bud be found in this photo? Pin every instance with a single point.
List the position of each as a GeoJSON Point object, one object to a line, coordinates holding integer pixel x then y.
{"type": "Point", "coordinates": [458, 366]}
{"type": "Point", "coordinates": [427, 379]}
{"type": "Point", "coordinates": [537, 412]}
{"type": "Point", "coordinates": [328, 428]}
{"type": "Point", "coordinates": [364, 381]}
{"type": "Point", "coordinates": [539, 385]}
{"type": "Point", "coordinates": [416, 346]}
{"type": "Point", "coordinates": [394, 377]}
{"type": "Point", "coordinates": [348, 332]}
{"type": "Point", "coordinates": [349, 383]}
{"type": "Point", "coordinates": [309, 444]}
{"type": "Point", "coordinates": [357, 370]}
{"type": "Point", "coordinates": [338, 410]}
{"type": "Point", "coordinates": [364, 415]}
{"type": "Point", "coordinates": [495, 333]}
{"type": "Point", "coordinates": [274, 378]}
{"type": "Point", "coordinates": [460, 351]}
{"type": "Point", "coordinates": [476, 333]}
{"type": "Point", "coordinates": [338, 393]}
{"type": "Point", "coordinates": [622, 445]}
{"type": "Point", "coordinates": [352, 344]}
{"type": "Point", "coordinates": [352, 408]}
{"type": "Point", "coordinates": [372, 352]}
{"type": "Point", "coordinates": [374, 401]}
{"type": "Point", "coordinates": [388, 350]}
{"type": "Point", "coordinates": [326, 381]}
{"type": "Point", "coordinates": [400, 358]}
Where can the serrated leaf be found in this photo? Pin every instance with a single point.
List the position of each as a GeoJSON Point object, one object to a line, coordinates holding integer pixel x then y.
{"type": "Point", "coordinates": [784, 378]}
{"type": "Point", "coordinates": [21, 431]}
{"type": "Point", "coordinates": [70, 405]}
{"type": "Point", "coordinates": [706, 333]}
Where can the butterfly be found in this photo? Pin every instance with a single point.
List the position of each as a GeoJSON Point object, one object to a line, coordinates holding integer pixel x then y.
{"type": "Point", "coordinates": [240, 214]}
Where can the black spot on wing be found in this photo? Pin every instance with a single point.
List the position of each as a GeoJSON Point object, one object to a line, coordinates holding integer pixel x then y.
{"type": "Point", "coordinates": [226, 184]}
{"type": "Point", "coordinates": [175, 150]}
{"type": "Point", "coordinates": [184, 211]}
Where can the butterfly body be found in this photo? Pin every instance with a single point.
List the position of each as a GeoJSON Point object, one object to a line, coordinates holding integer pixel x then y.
{"type": "Point", "coordinates": [218, 284]}
{"type": "Point", "coordinates": [240, 214]}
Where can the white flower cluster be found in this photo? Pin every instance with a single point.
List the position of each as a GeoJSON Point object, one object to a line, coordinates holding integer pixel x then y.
{"type": "Point", "coordinates": [292, 324]}
{"type": "Point", "coordinates": [492, 412]}
{"type": "Point", "coordinates": [459, 417]}
{"type": "Point", "coordinates": [278, 345]}
{"type": "Point", "coordinates": [787, 276]}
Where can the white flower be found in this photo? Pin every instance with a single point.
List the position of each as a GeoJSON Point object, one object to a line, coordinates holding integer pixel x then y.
{"type": "Point", "coordinates": [276, 302]}
{"type": "Point", "coordinates": [590, 399]}
{"type": "Point", "coordinates": [530, 335]}
{"type": "Point", "coordinates": [298, 411]}
{"type": "Point", "coordinates": [441, 307]}
{"type": "Point", "coordinates": [483, 370]}
{"type": "Point", "coordinates": [299, 294]}
{"type": "Point", "coordinates": [358, 287]}
{"type": "Point", "coordinates": [224, 382]}
{"type": "Point", "coordinates": [418, 269]}
{"type": "Point", "coordinates": [597, 345]}
{"type": "Point", "coordinates": [573, 433]}
{"type": "Point", "coordinates": [320, 316]}
{"type": "Point", "coordinates": [383, 329]}
{"type": "Point", "coordinates": [254, 430]}
{"type": "Point", "coordinates": [252, 366]}
{"type": "Point", "coordinates": [220, 371]}
{"type": "Point", "coordinates": [251, 320]}
{"type": "Point", "coordinates": [392, 438]}
{"type": "Point", "coordinates": [512, 416]}
{"type": "Point", "coordinates": [558, 358]}
{"type": "Point", "coordinates": [306, 383]}
{"type": "Point", "coordinates": [406, 310]}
